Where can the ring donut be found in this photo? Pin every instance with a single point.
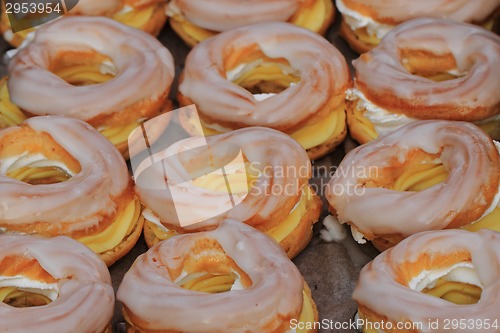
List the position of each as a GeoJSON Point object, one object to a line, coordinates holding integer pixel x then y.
{"type": "Point", "coordinates": [195, 21]}
{"type": "Point", "coordinates": [433, 282]}
{"type": "Point", "coordinates": [426, 69]}
{"type": "Point", "coordinates": [146, 15]}
{"type": "Point", "coordinates": [273, 75]}
{"type": "Point", "coordinates": [250, 285]}
{"type": "Point", "coordinates": [427, 175]}
{"type": "Point", "coordinates": [106, 73]}
{"type": "Point", "coordinates": [366, 22]}
{"type": "Point", "coordinates": [269, 187]}
{"type": "Point", "coordinates": [59, 176]}
{"type": "Point", "coordinates": [53, 285]}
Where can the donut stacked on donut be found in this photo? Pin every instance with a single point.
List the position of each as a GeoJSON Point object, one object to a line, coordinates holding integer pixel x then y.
{"type": "Point", "coordinates": [439, 280]}
{"type": "Point", "coordinates": [195, 21]}
{"type": "Point", "coordinates": [273, 75]}
{"type": "Point", "coordinates": [366, 22]}
{"type": "Point", "coordinates": [146, 15]}
{"type": "Point", "coordinates": [59, 176]}
{"type": "Point", "coordinates": [427, 175]}
{"type": "Point", "coordinates": [94, 69]}
{"type": "Point", "coordinates": [426, 69]}
{"type": "Point", "coordinates": [269, 188]}
{"type": "Point", "coordinates": [53, 285]}
{"type": "Point", "coordinates": [232, 279]}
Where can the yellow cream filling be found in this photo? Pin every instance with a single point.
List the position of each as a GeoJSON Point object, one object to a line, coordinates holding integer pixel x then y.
{"type": "Point", "coordinates": [83, 74]}
{"type": "Point", "coordinates": [22, 299]}
{"type": "Point", "coordinates": [210, 283]}
{"type": "Point", "coordinates": [365, 37]}
{"type": "Point", "coordinates": [455, 292]}
{"type": "Point", "coordinates": [312, 17]}
{"type": "Point", "coordinates": [136, 18]}
{"type": "Point", "coordinates": [422, 176]}
{"type": "Point", "coordinates": [288, 225]}
{"type": "Point", "coordinates": [39, 175]}
{"type": "Point", "coordinates": [307, 314]}
{"type": "Point", "coordinates": [114, 234]}
{"type": "Point", "coordinates": [10, 114]}
{"type": "Point", "coordinates": [268, 72]}
{"type": "Point", "coordinates": [118, 134]}
{"type": "Point", "coordinates": [357, 119]}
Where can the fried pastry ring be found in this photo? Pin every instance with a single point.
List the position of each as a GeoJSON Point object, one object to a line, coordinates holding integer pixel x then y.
{"type": "Point", "coordinates": [273, 75]}
{"type": "Point", "coordinates": [427, 175]}
{"type": "Point", "coordinates": [110, 75]}
{"type": "Point", "coordinates": [266, 293]}
{"type": "Point", "coordinates": [426, 69]}
{"type": "Point", "coordinates": [59, 176]}
{"type": "Point", "coordinates": [269, 188]}
{"type": "Point", "coordinates": [436, 281]}
{"type": "Point", "coordinates": [366, 22]}
{"type": "Point", "coordinates": [146, 15]}
{"type": "Point", "coordinates": [195, 21]}
{"type": "Point", "coordinates": [53, 285]}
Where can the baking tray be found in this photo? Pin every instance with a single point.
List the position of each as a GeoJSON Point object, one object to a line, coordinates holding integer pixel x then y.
{"type": "Point", "coordinates": [330, 269]}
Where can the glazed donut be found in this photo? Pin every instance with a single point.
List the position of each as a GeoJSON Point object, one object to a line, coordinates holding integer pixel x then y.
{"type": "Point", "coordinates": [110, 75]}
{"type": "Point", "coordinates": [426, 69]}
{"type": "Point", "coordinates": [195, 21]}
{"type": "Point", "coordinates": [268, 186]}
{"type": "Point", "coordinates": [427, 175]}
{"type": "Point", "coordinates": [53, 285]}
{"type": "Point", "coordinates": [146, 15]}
{"type": "Point", "coordinates": [366, 22]}
{"type": "Point", "coordinates": [250, 285]}
{"type": "Point", "coordinates": [433, 282]}
{"type": "Point", "coordinates": [273, 75]}
{"type": "Point", "coordinates": [59, 176]}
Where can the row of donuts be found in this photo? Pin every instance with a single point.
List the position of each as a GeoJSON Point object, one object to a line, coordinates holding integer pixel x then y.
{"type": "Point", "coordinates": [259, 75]}
{"type": "Point", "coordinates": [364, 23]}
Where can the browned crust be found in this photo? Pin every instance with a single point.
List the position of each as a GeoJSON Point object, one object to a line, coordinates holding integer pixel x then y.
{"type": "Point", "coordinates": [354, 42]}
{"type": "Point", "coordinates": [157, 21]}
{"type": "Point", "coordinates": [355, 127]}
{"type": "Point", "coordinates": [328, 146]}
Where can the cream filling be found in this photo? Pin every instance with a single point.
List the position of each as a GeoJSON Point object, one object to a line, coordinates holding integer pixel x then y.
{"type": "Point", "coordinates": [172, 10]}
{"type": "Point", "coordinates": [151, 216]}
{"type": "Point", "coordinates": [236, 72]}
{"type": "Point", "coordinates": [385, 122]}
{"type": "Point", "coordinates": [50, 290]}
{"type": "Point", "coordinates": [33, 160]}
{"type": "Point", "coordinates": [125, 9]}
{"type": "Point", "coordinates": [463, 272]}
{"type": "Point", "coordinates": [184, 278]}
{"type": "Point", "coordinates": [356, 21]}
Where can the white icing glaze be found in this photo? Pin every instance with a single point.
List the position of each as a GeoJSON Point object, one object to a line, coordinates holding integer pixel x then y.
{"type": "Point", "coordinates": [144, 67]}
{"type": "Point", "coordinates": [380, 72]}
{"type": "Point", "coordinates": [322, 68]}
{"type": "Point", "coordinates": [222, 15]}
{"type": "Point", "coordinates": [355, 20]}
{"type": "Point", "coordinates": [464, 149]}
{"type": "Point", "coordinates": [85, 198]}
{"type": "Point", "coordinates": [270, 152]}
{"type": "Point", "coordinates": [383, 121]}
{"type": "Point", "coordinates": [403, 303]}
{"type": "Point", "coordinates": [147, 290]}
{"type": "Point", "coordinates": [401, 10]}
{"type": "Point", "coordinates": [49, 290]}
{"type": "Point", "coordinates": [86, 298]}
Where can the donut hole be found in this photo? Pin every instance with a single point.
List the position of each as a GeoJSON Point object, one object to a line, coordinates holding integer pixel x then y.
{"type": "Point", "coordinates": [457, 283]}
{"type": "Point", "coordinates": [261, 75]}
{"type": "Point", "coordinates": [24, 283]}
{"type": "Point", "coordinates": [81, 68]}
{"type": "Point", "coordinates": [35, 158]}
{"type": "Point", "coordinates": [207, 268]}
{"type": "Point", "coordinates": [418, 171]}
{"type": "Point", "coordinates": [436, 67]}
